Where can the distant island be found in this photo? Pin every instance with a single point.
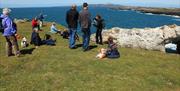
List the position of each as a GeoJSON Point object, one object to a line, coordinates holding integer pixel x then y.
{"type": "Point", "coordinates": [153, 10]}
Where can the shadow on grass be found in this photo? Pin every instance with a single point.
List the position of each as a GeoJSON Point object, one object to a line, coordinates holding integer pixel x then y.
{"type": "Point", "coordinates": [27, 51]}
{"type": "Point", "coordinates": [90, 47]}
{"type": "Point", "coordinates": [79, 45]}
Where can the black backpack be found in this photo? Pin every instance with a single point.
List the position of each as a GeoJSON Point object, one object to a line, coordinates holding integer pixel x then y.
{"type": "Point", "coordinates": [1, 27]}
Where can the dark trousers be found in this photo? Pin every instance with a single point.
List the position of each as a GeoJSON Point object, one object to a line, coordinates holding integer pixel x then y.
{"type": "Point", "coordinates": [99, 36]}
{"type": "Point", "coordinates": [86, 37]}
{"type": "Point", "coordinates": [11, 44]}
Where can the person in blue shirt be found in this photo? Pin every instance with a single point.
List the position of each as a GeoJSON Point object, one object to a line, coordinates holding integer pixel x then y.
{"type": "Point", "coordinates": [54, 29]}
{"type": "Point", "coordinates": [41, 18]}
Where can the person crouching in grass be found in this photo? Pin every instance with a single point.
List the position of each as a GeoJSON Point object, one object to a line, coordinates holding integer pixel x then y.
{"type": "Point", "coordinates": [112, 51]}
{"type": "Point", "coordinates": [35, 38]}
{"type": "Point", "coordinates": [9, 33]}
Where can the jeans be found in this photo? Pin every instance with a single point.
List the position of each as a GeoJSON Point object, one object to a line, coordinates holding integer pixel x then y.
{"type": "Point", "coordinates": [11, 44]}
{"type": "Point", "coordinates": [86, 37]}
{"type": "Point", "coordinates": [72, 34]}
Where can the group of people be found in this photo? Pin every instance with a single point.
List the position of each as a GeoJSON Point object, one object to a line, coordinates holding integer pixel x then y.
{"type": "Point", "coordinates": [84, 19]}
{"type": "Point", "coordinates": [73, 18]}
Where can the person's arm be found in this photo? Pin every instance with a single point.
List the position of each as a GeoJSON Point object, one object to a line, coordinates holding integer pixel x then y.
{"type": "Point", "coordinates": [79, 19]}
{"type": "Point", "coordinates": [54, 28]}
{"type": "Point", "coordinates": [77, 15]}
{"type": "Point", "coordinates": [89, 15]}
{"type": "Point", "coordinates": [9, 25]}
{"type": "Point", "coordinates": [67, 18]}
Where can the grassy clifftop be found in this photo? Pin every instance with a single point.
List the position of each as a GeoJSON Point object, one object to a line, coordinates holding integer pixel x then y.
{"type": "Point", "coordinates": [57, 68]}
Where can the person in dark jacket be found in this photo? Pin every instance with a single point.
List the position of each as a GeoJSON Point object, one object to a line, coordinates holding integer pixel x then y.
{"type": "Point", "coordinates": [41, 20]}
{"type": "Point", "coordinates": [85, 23]}
{"type": "Point", "coordinates": [72, 21]}
{"type": "Point", "coordinates": [35, 38]}
{"type": "Point", "coordinates": [98, 23]}
{"type": "Point", "coordinates": [112, 51]}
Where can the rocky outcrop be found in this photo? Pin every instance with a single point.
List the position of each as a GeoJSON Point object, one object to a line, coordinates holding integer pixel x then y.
{"type": "Point", "coordinates": [147, 38]}
{"type": "Point", "coordinates": [21, 20]}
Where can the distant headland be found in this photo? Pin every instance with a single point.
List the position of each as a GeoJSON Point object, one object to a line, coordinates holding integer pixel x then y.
{"type": "Point", "coordinates": [153, 10]}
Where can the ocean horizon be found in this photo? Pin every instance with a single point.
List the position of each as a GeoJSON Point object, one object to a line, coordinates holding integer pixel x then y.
{"type": "Point", "coordinates": [113, 18]}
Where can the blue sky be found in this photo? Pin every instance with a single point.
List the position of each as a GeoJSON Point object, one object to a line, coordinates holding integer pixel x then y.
{"type": "Point", "coordinates": [44, 3]}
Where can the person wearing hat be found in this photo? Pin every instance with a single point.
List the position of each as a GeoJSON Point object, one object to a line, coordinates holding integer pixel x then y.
{"type": "Point", "coordinates": [72, 21]}
{"type": "Point", "coordinates": [85, 23]}
{"type": "Point", "coordinates": [9, 33]}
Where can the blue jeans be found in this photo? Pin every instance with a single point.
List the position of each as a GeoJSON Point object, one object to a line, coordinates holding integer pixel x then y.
{"type": "Point", "coordinates": [86, 37]}
{"type": "Point", "coordinates": [72, 40]}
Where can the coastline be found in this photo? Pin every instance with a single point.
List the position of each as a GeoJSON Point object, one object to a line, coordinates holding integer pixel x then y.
{"type": "Point", "coordinates": [175, 12]}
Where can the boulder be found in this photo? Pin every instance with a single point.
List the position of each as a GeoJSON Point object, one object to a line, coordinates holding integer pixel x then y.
{"type": "Point", "coordinates": [147, 38]}
{"type": "Point", "coordinates": [21, 20]}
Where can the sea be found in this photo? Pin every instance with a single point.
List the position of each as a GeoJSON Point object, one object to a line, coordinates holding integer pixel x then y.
{"type": "Point", "coordinates": [113, 18]}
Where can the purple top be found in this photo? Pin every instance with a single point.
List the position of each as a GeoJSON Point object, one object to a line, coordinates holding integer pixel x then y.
{"type": "Point", "coordinates": [8, 27]}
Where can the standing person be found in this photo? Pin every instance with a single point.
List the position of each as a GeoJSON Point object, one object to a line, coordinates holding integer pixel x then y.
{"type": "Point", "coordinates": [41, 18]}
{"type": "Point", "coordinates": [85, 23]}
{"type": "Point", "coordinates": [35, 23]}
{"type": "Point", "coordinates": [9, 33]}
{"type": "Point", "coordinates": [72, 21]}
{"type": "Point", "coordinates": [98, 22]}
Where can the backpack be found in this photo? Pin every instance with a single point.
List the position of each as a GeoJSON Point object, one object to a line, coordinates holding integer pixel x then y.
{"type": "Point", "coordinates": [1, 27]}
{"type": "Point", "coordinates": [103, 24]}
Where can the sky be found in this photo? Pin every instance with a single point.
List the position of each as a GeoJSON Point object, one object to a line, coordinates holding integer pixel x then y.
{"type": "Point", "coordinates": [49, 3]}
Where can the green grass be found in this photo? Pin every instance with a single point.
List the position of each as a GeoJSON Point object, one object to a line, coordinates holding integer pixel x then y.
{"type": "Point", "coordinates": [57, 68]}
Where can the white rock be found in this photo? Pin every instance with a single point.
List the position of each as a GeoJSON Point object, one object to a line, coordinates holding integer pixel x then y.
{"type": "Point", "coordinates": [147, 38]}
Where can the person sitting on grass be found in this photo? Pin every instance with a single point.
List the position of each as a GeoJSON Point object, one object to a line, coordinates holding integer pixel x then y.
{"type": "Point", "coordinates": [35, 38]}
{"type": "Point", "coordinates": [54, 29]}
{"type": "Point", "coordinates": [48, 40]}
{"type": "Point", "coordinates": [112, 51]}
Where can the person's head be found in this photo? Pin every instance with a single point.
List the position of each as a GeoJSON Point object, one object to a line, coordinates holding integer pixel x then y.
{"type": "Point", "coordinates": [35, 18]}
{"type": "Point", "coordinates": [6, 11]}
{"type": "Point", "coordinates": [54, 24]}
{"type": "Point", "coordinates": [85, 5]}
{"type": "Point", "coordinates": [73, 7]}
{"type": "Point", "coordinates": [35, 29]}
{"type": "Point", "coordinates": [110, 39]}
{"type": "Point", "coordinates": [98, 16]}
